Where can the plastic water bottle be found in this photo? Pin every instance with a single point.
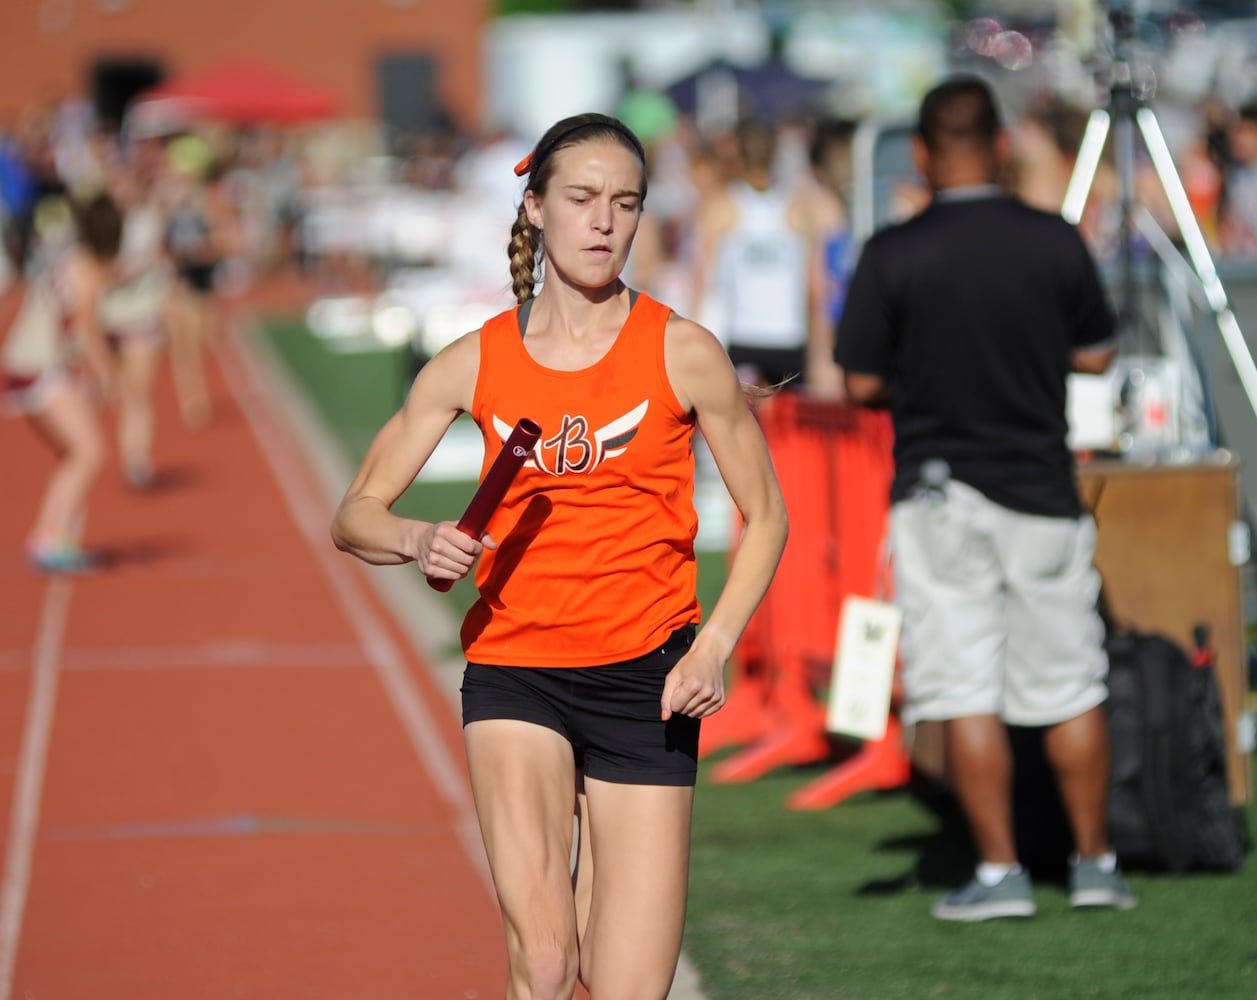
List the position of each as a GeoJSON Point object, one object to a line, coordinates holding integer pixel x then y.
{"type": "Point", "coordinates": [935, 473]}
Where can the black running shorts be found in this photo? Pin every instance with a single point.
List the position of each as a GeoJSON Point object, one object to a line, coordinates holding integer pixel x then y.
{"type": "Point", "coordinates": [773, 365]}
{"type": "Point", "coordinates": [610, 713]}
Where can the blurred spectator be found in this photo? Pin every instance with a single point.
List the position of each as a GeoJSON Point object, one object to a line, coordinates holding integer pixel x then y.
{"type": "Point", "coordinates": [831, 163]}
{"type": "Point", "coordinates": [430, 156]}
{"type": "Point", "coordinates": [698, 175]}
{"type": "Point", "coordinates": [1237, 229]}
{"type": "Point", "coordinates": [489, 193]}
{"type": "Point", "coordinates": [268, 202]}
{"type": "Point", "coordinates": [486, 171]}
{"type": "Point", "coordinates": [1044, 142]}
{"type": "Point", "coordinates": [18, 193]}
{"type": "Point", "coordinates": [759, 247]}
{"type": "Point", "coordinates": [653, 117]}
{"type": "Point", "coordinates": [1201, 165]}
{"type": "Point", "coordinates": [31, 188]}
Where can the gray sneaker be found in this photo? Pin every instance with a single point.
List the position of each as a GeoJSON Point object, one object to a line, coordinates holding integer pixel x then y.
{"type": "Point", "coordinates": [1092, 886]}
{"type": "Point", "coordinates": [1009, 897]}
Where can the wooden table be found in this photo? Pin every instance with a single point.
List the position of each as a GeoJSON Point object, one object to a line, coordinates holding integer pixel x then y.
{"type": "Point", "coordinates": [1170, 544]}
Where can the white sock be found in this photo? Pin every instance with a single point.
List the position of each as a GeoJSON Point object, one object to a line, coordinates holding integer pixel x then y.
{"type": "Point", "coordinates": [1106, 862]}
{"type": "Point", "coordinates": [990, 873]}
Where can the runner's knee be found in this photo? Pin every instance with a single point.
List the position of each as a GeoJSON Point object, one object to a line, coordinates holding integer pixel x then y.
{"type": "Point", "coordinates": [89, 453]}
{"type": "Point", "coordinates": [546, 964]}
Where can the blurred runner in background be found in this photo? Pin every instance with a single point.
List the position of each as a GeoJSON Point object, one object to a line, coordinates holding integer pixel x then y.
{"type": "Point", "coordinates": [57, 366]}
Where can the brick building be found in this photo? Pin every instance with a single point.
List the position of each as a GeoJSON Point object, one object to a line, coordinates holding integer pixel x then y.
{"type": "Point", "coordinates": [401, 61]}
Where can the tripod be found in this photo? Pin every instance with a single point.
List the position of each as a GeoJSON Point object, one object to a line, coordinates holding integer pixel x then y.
{"type": "Point", "coordinates": [1127, 112]}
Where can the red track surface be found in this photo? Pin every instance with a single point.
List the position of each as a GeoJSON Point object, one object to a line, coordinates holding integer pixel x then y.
{"type": "Point", "coordinates": [223, 771]}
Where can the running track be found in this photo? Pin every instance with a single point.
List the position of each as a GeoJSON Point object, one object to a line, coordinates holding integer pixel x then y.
{"type": "Point", "coordinates": [225, 770]}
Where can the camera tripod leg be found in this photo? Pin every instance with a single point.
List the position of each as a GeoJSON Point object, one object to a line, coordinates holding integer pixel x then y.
{"type": "Point", "coordinates": [1085, 164]}
{"type": "Point", "coordinates": [1198, 252]}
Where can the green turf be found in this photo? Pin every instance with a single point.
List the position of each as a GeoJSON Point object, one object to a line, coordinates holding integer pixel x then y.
{"type": "Point", "coordinates": [355, 392]}
{"type": "Point", "coordinates": [834, 904]}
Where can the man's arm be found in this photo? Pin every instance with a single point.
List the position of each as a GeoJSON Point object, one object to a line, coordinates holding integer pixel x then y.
{"type": "Point", "coordinates": [866, 390]}
{"type": "Point", "coordinates": [862, 344]}
{"type": "Point", "coordinates": [1094, 359]}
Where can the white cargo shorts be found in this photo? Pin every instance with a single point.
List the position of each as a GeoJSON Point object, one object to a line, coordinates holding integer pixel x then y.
{"type": "Point", "coordinates": [999, 611]}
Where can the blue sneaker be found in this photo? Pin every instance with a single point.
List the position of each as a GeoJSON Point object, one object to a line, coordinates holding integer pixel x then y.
{"type": "Point", "coordinates": [64, 559]}
{"type": "Point", "coordinates": [1093, 884]}
{"type": "Point", "coordinates": [1009, 897]}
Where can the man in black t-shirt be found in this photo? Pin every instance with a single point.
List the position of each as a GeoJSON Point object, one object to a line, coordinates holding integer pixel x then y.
{"type": "Point", "coordinates": [967, 319]}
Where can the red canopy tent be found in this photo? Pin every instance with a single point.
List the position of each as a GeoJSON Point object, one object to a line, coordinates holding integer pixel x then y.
{"type": "Point", "coordinates": [239, 92]}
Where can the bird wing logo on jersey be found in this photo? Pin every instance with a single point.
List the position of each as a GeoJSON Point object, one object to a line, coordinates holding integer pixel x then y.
{"type": "Point", "coordinates": [573, 449]}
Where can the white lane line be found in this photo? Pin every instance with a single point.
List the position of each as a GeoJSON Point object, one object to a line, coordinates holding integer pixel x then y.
{"type": "Point", "coordinates": [209, 655]}
{"type": "Point", "coordinates": [249, 388]}
{"type": "Point", "coordinates": [29, 781]}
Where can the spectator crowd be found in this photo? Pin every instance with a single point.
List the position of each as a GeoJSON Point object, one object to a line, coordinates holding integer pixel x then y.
{"type": "Point", "coordinates": [748, 230]}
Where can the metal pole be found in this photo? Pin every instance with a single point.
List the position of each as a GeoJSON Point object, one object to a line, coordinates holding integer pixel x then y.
{"type": "Point", "coordinates": [1198, 252]}
{"type": "Point", "coordinates": [1085, 165]}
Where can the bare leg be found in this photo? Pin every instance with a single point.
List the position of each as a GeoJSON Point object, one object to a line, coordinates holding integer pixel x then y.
{"type": "Point", "coordinates": [980, 761]}
{"type": "Point", "coordinates": [189, 324]}
{"type": "Point", "coordinates": [583, 874]}
{"type": "Point", "coordinates": [138, 368]}
{"type": "Point", "coordinates": [71, 425]}
{"type": "Point", "coordinates": [523, 777]}
{"type": "Point", "coordinates": [1078, 750]}
{"type": "Point", "coordinates": [640, 838]}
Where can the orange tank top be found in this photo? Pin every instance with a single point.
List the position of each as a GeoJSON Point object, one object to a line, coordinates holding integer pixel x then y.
{"type": "Point", "coordinates": [595, 562]}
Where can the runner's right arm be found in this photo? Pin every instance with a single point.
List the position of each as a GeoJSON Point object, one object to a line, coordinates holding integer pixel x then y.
{"type": "Point", "coordinates": [364, 523]}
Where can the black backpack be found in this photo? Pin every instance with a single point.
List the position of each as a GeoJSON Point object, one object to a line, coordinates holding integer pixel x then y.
{"type": "Point", "coordinates": [1169, 803]}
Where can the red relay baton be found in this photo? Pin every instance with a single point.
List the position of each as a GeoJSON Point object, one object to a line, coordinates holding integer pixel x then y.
{"type": "Point", "coordinates": [515, 451]}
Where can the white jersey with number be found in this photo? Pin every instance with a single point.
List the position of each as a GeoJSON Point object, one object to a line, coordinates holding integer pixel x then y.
{"type": "Point", "coordinates": [761, 268]}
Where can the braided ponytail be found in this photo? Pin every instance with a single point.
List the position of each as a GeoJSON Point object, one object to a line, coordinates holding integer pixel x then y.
{"type": "Point", "coordinates": [523, 250]}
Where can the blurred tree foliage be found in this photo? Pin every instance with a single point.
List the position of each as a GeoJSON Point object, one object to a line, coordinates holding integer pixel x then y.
{"type": "Point", "coordinates": [958, 10]}
{"type": "Point", "coordinates": [505, 8]}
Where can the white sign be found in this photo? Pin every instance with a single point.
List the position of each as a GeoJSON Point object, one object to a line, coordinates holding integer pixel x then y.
{"type": "Point", "coordinates": [864, 668]}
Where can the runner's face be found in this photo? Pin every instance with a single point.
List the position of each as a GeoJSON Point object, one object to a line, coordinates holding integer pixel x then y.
{"type": "Point", "coordinates": [590, 211]}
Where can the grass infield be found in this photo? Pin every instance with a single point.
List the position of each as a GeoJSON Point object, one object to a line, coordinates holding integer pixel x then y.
{"type": "Point", "coordinates": [834, 904]}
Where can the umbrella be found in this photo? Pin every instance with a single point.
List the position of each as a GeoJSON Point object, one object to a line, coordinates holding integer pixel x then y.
{"type": "Point", "coordinates": [239, 92]}
{"type": "Point", "coordinates": [770, 90]}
